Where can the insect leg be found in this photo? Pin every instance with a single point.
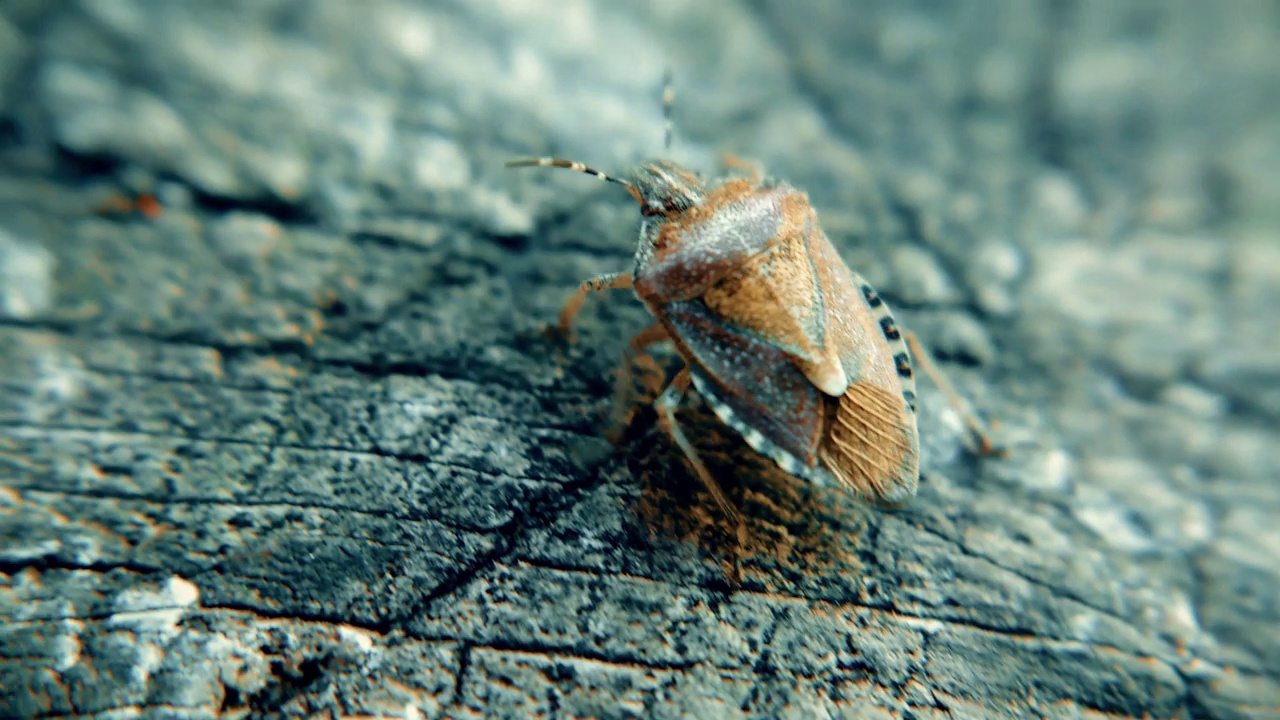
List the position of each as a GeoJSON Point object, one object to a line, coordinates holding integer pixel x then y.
{"type": "Point", "coordinates": [666, 405]}
{"type": "Point", "coordinates": [624, 406]}
{"type": "Point", "coordinates": [981, 434]}
{"type": "Point", "coordinates": [608, 281]}
{"type": "Point", "coordinates": [651, 335]}
{"type": "Point", "coordinates": [737, 163]}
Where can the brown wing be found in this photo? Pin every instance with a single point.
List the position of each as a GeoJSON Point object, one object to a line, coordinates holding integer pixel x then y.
{"type": "Point", "coordinates": [800, 297]}
{"type": "Point", "coordinates": [776, 295]}
{"type": "Point", "coordinates": [868, 449]}
{"type": "Point", "coordinates": [767, 399]}
{"type": "Point", "coordinates": [790, 332]}
{"type": "Point", "coordinates": [871, 445]}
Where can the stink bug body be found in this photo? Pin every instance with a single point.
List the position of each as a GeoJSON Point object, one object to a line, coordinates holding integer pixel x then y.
{"type": "Point", "coordinates": [789, 347]}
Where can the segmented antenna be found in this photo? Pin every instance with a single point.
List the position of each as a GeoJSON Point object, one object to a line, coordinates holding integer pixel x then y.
{"type": "Point", "coordinates": [576, 167]}
{"type": "Point", "coordinates": [668, 100]}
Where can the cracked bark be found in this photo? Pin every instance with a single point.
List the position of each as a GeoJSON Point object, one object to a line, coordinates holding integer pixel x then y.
{"type": "Point", "coordinates": [575, 586]}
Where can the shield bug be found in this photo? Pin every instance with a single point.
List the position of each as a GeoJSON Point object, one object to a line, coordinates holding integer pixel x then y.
{"type": "Point", "coordinates": [789, 346]}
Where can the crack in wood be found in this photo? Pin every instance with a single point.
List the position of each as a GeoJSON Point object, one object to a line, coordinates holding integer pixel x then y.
{"type": "Point", "coordinates": [109, 435]}
{"type": "Point", "coordinates": [104, 494]}
{"type": "Point", "coordinates": [925, 623]}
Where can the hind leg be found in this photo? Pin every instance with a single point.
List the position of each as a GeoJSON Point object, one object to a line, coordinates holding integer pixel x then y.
{"type": "Point", "coordinates": [981, 434]}
{"type": "Point", "coordinates": [666, 405]}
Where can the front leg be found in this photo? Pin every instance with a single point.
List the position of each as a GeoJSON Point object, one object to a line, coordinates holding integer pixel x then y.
{"type": "Point", "coordinates": [608, 281]}
{"type": "Point", "coordinates": [981, 435]}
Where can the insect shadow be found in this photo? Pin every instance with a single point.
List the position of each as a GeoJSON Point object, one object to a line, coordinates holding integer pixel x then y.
{"type": "Point", "coordinates": [797, 534]}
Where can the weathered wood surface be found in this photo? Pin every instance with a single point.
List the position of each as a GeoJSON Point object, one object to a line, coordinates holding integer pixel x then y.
{"type": "Point", "coordinates": [294, 445]}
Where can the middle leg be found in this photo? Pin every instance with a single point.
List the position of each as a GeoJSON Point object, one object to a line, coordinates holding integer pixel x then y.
{"type": "Point", "coordinates": [652, 377]}
{"type": "Point", "coordinates": [754, 169]}
{"type": "Point", "coordinates": [981, 435]}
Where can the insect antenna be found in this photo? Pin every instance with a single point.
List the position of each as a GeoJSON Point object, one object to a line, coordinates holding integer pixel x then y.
{"type": "Point", "coordinates": [576, 167]}
{"type": "Point", "coordinates": [668, 101]}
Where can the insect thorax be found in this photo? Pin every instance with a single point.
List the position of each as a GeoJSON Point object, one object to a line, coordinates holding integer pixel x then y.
{"type": "Point", "coordinates": [665, 189]}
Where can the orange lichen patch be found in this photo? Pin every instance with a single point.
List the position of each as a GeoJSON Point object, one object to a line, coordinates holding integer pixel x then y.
{"type": "Point", "coordinates": [57, 516]}
{"type": "Point", "coordinates": [225, 140]}
{"type": "Point", "coordinates": [107, 275]}
{"type": "Point", "coordinates": [114, 205]}
{"type": "Point", "coordinates": [149, 206]}
{"type": "Point", "coordinates": [106, 532]}
{"type": "Point", "coordinates": [274, 233]}
{"type": "Point", "coordinates": [327, 298]}
{"type": "Point", "coordinates": [22, 461]}
{"type": "Point", "coordinates": [215, 364]}
{"type": "Point", "coordinates": [350, 282]}
{"type": "Point", "coordinates": [145, 204]}
{"type": "Point", "coordinates": [270, 366]}
{"type": "Point", "coordinates": [31, 577]}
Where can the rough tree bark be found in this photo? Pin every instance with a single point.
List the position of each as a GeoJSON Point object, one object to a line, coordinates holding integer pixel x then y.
{"type": "Point", "coordinates": [279, 434]}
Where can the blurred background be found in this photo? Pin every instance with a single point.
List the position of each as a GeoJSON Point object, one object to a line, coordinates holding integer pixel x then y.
{"type": "Point", "coordinates": [1107, 166]}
